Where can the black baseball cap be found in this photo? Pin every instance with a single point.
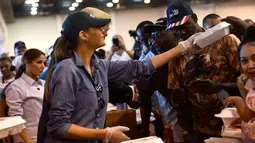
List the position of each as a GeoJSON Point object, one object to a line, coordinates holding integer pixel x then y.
{"type": "Point", "coordinates": [160, 25]}
{"type": "Point", "coordinates": [178, 13]}
{"type": "Point", "coordinates": [79, 21]}
{"type": "Point", "coordinates": [19, 44]}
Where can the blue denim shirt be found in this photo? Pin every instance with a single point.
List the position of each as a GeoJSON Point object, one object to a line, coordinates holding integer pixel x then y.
{"type": "Point", "coordinates": [74, 99]}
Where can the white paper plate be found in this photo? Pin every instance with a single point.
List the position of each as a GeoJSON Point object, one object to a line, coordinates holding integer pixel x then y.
{"type": "Point", "coordinates": [152, 139]}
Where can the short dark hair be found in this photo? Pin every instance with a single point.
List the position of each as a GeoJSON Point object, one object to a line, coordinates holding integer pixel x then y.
{"type": "Point", "coordinates": [210, 16]}
{"type": "Point", "coordinates": [19, 44]}
{"type": "Point", "coordinates": [101, 53]}
{"type": "Point", "coordinates": [29, 56]}
{"type": "Point", "coordinates": [6, 59]}
{"type": "Point", "coordinates": [4, 55]}
{"type": "Point", "coordinates": [143, 24]}
{"type": "Point", "coordinates": [12, 57]}
{"type": "Point", "coordinates": [248, 39]}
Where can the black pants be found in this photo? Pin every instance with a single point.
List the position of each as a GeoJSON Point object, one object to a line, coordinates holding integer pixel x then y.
{"type": "Point", "coordinates": [184, 114]}
{"type": "Point", "coordinates": [159, 128]}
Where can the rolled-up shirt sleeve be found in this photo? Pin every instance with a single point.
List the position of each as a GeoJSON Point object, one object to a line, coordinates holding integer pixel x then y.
{"type": "Point", "coordinates": [14, 100]}
{"type": "Point", "coordinates": [128, 70]}
{"type": "Point", "coordinates": [63, 87]}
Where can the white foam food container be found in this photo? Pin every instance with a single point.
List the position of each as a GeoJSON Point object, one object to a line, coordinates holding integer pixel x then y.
{"type": "Point", "coordinates": [11, 126]}
{"type": "Point", "coordinates": [228, 113]}
{"type": "Point", "coordinates": [222, 140]}
{"type": "Point", "coordinates": [228, 116]}
{"type": "Point", "coordinates": [151, 139]}
{"type": "Point", "coordinates": [212, 35]}
{"type": "Point", "coordinates": [232, 132]}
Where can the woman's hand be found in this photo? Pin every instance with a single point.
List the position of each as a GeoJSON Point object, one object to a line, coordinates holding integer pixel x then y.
{"type": "Point", "coordinates": [188, 45]}
{"type": "Point", "coordinates": [24, 135]}
{"type": "Point", "coordinates": [116, 135]}
{"type": "Point", "coordinates": [241, 86]}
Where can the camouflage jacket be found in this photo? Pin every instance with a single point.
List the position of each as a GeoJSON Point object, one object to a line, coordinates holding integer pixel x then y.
{"type": "Point", "coordinates": [221, 58]}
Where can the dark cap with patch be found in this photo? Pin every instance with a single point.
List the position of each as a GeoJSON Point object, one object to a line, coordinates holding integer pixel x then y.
{"type": "Point", "coordinates": [19, 44]}
{"type": "Point", "coordinates": [178, 13]}
{"type": "Point", "coordinates": [79, 21]}
{"type": "Point", "coordinates": [160, 25]}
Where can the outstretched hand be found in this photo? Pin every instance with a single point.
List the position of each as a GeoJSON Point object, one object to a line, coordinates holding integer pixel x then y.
{"type": "Point", "coordinates": [238, 26]}
{"type": "Point", "coordinates": [188, 45]}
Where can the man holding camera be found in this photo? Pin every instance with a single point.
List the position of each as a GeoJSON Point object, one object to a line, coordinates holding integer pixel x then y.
{"type": "Point", "coordinates": [118, 50]}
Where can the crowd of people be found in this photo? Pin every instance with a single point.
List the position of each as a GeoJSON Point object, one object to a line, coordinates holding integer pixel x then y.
{"type": "Point", "coordinates": [63, 96]}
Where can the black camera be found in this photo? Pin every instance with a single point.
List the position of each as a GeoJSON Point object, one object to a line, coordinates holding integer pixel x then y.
{"type": "Point", "coordinates": [116, 42]}
{"type": "Point", "coordinates": [132, 33]}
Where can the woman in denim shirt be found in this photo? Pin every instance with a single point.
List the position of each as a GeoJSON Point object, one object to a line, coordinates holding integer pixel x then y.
{"type": "Point", "coordinates": [76, 91]}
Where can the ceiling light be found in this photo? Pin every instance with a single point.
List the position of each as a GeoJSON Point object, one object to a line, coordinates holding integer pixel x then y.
{"type": "Point", "coordinates": [71, 8]}
{"type": "Point", "coordinates": [33, 12]}
{"type": "Point", "coordinates": [115, 1]}
{"type": "Point", "coordinates": [35, 4]}
{"type": "Point", "coordinates": [109, 4]}
{"type": "Point", "coordinates": [33, 8]}
{"type": "Point", "coordinates": [75, 4]}
{"type": "Point", "coordinates": [28, 2]}
{"type": "Point", "coordinates": [78, 1]}
{"type": "Point", "coordinates": [147, 1]}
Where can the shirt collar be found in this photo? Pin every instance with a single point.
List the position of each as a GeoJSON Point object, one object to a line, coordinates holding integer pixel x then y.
{"type": "Point", "coordinates": [30, 81]}
{"type": "Point", "coordinates": [141, 56]}
{"type": "Point", "coordinates": [78, 61]}
{"type": "Point", "coordinates": [150, 54]}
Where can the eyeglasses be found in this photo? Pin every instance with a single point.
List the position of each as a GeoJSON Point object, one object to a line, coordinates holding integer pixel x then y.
{"type": "Point", "coordinates": [105, 28]}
